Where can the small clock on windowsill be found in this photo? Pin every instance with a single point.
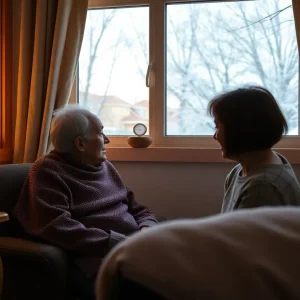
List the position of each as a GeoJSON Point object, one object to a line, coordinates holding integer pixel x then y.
{"type": "Point", "coordinates": [139, 140]}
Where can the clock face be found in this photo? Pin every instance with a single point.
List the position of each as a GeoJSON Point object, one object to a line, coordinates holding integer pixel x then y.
{"type": "Point", "coordinates": [139, 129]}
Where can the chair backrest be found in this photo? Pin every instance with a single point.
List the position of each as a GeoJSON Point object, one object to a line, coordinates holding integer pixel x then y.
{"type": "Point", "coordinates": [12, 178]}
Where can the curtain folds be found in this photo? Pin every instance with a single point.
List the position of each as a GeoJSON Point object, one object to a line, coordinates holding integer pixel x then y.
{"type": "Point", "coordinates": [50, 34]}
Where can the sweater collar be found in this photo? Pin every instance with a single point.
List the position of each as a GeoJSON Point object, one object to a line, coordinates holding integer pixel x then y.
{"type": "Point", "coordinates": [71, 161]}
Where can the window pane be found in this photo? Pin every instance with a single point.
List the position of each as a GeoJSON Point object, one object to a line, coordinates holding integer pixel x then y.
{"type": "Point", "coordinates": [215, 47]}
{"type": "Point", "coordinates": [112, 67]}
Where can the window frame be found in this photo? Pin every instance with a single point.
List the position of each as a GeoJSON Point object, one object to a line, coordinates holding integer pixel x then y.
{"type": "Point", "coordinates": [157, 57]}
{"type": "Point", "coordinates": [6, 47]}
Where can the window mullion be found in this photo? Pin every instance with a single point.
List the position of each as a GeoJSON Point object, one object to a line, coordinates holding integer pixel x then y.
{"type": "Point", "coordinates": [157, 55]}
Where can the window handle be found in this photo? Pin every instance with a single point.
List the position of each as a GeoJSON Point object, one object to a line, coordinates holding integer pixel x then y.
{"type": "Point", "coordinates": [148, 75]}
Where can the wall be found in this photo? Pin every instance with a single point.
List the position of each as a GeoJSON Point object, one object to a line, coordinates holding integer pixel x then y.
{"type": "Point", "coordinates": [178, 190]}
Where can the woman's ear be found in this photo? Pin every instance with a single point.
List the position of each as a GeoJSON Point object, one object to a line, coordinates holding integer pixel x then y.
{"type": "Point", "coordinates": [79, 144]}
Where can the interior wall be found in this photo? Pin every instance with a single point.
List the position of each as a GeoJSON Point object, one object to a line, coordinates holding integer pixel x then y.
{"type": "Point", "coordinates": [178, 190]}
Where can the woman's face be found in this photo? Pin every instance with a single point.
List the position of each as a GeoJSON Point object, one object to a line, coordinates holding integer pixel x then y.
{"type": "Point", "coordinates": [220, 136]}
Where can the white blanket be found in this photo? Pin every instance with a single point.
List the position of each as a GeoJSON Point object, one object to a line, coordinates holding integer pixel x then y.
{"type": "Point", "coordinates": [250, 254]}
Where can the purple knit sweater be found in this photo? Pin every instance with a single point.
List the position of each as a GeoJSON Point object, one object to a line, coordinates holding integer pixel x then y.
{"type": "Point", "coordinates": [81, 208]}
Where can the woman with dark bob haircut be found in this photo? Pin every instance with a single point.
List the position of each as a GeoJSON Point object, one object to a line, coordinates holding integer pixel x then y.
{"type": "Point", "coordinates": [249, 123]}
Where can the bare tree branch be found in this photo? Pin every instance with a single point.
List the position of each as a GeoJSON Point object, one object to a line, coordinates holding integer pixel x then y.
{"type": "Point", "coordinates": [116, 46]}
{"type": "Point", "coordinates": [270, 17]}
{"type": "Point", "coordinates": [94, 42]}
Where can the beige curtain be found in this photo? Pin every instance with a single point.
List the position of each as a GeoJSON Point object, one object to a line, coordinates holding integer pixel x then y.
{"type": "Point", "coordinates": [46, 51]}
{"type": "Point", "coordinates": [296, 7]}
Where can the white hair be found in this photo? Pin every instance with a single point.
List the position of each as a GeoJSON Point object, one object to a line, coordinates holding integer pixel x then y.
{"type": "Point", "coordinates": [68, 123]}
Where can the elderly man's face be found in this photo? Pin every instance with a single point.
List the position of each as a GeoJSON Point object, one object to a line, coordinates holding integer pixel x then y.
{"type": "Point", "coordinates": [94, 144]}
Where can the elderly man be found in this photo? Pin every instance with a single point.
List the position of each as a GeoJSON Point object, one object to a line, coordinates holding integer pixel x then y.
{"type": "Point", "coordinates": [75, 199]}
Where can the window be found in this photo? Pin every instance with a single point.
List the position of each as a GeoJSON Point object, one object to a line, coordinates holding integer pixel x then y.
{"type": "Point", "coordinates": [192, 52]}
{"type": "Point", "coordinates": [214, 47]}
{"type": "Point", "coordinates": [113, 65]}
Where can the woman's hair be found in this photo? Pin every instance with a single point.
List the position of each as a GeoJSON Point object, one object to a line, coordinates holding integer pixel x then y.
{"type": "Point", "coordinates": [67, 124]}
{"type": "Point", "coordinates": [251, 118]}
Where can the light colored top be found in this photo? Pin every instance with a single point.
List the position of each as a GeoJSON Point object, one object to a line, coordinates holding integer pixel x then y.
{"type": "Point", "coordinates": [248, 254]}
{"type": "Point", "coordinates": [270, 185]}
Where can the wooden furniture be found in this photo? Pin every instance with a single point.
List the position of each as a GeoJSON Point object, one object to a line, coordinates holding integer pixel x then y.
{"type": "Point", "coordinates": [3, 218]}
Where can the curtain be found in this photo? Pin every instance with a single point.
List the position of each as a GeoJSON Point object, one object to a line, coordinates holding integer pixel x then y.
{"type": "Point", "coordinates": [6, 47]}
{"type": "Point", "coordinates": [46, 54]}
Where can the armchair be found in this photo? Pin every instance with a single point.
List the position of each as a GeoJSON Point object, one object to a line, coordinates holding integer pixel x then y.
{"type": "Point", "coordinates": [31, 269]}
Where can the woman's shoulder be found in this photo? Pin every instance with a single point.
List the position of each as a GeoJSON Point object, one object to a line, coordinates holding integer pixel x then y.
{"type": "Point", "coordinates": [280, 177]}
{"type": "Point", "coordinates": [277, 172]}
{"type": "Point", "coordinates": [232, 175]}
{"type": "Point", "coordinates": [235, 171]}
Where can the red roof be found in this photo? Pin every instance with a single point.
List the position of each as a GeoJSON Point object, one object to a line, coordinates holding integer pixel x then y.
{"type": "Point", "coordinates": [144, 103]}
{"type": "Point", "coordinates": [134, 118]}
{"type": "Point", "coordinates": [108, 100]}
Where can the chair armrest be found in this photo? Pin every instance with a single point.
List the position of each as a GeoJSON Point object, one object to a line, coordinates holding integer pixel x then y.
{"type": "Point", "coordinates": [54, 258]}
{"type": "Point", "coordinates": [3, 217]}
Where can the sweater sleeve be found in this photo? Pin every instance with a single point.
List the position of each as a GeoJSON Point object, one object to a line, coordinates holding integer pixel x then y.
{"type": "Point", "coordinates": [141, 213]}
{"type": "Point", "coordinates": [44, 211]}
{"type": "Point", "coordinates": [259, 194]}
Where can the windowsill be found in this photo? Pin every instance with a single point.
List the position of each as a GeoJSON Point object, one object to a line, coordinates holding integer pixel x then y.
{"type": "Point", "coordinates": [154, 154]}
{"type": "Point", "coordinates": [160, 154]}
